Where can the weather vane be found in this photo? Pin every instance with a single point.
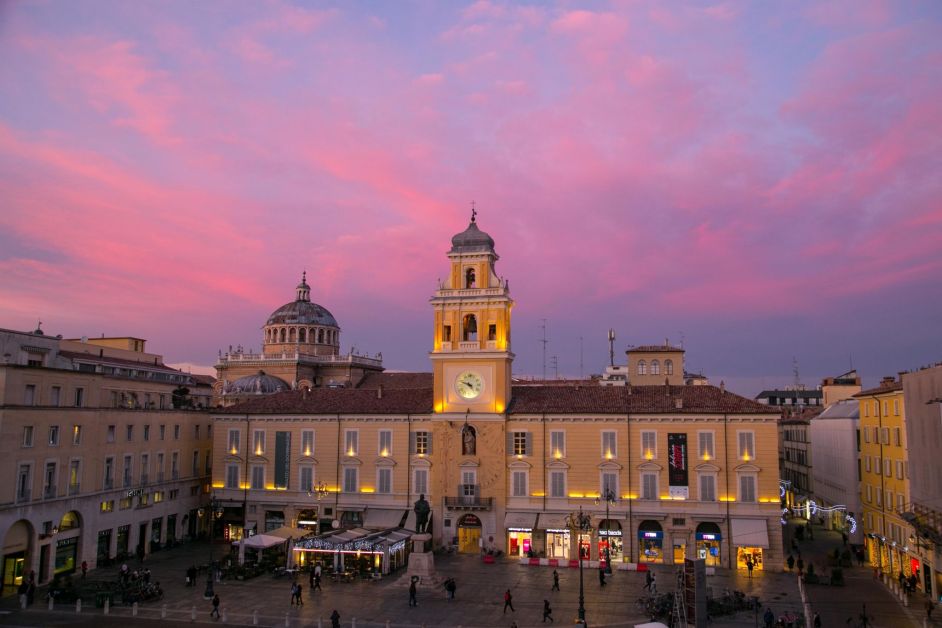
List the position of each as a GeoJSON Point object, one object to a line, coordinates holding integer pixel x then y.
{"type": "Point", "coordinates": [474, 212]}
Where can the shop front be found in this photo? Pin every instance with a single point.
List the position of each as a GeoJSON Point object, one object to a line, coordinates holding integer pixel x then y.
{"type": "Point", "coordinates": [585, 545]}
{"type": "Point", "coordinates": [650, 542]}
{"type": "Point", "coordinates": [66, 555]}
{"type": "Point", "coordinates": [16, 545]}
{"type": "Point", "coordinates": [469, 534]}
{"type": "Point", "coordinates": [103, 552]}
{"type": "Point", "coordinates": [520, 527]}
{"type": "Point", "coordinates": [124, 541]}
{"type": "Point", "coordinates": [749, 538]}
{"type": "Point", "coordinates": [558, 539]}
{"type": "Point", "coordinates": [355, 553]}
{"type": "Point", "coordinates": [611, 548]}
{"type": "Point", "coordinates": [708, 539]}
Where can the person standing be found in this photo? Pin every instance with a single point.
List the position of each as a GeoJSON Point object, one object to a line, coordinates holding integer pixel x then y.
{"type": "Point", "coordinates": [648, 579]}
{"type": "Point", "coordinates": [653, 583]}
{"type": "Point", "coordinates": [801, 566]}
{"type": "Point", "coordinates": [749, 566]}
{"type": "Point", "coordinates": [300, 592]}
{"type": "Point", "coordinates": [317, 582]}
{"type": "Point", "coordinates": [412, 591]}
{"type": "Point", "coordinates": [215, 611]}
{"type": "Point", "coordinates": [930, 606]}
{"type": "Point", "coordinates": [555, 581]}
{"type": "Point", "coordinates": [30, 587]}
{"type": "Point", "coordinates": [294, 593]}
{"type": "Point", "coordinates": [508, 602]}
{"type": "Point", "coordinates": [21, 591]}
{"type": "Point", "coordinates": [335, 619]}
{"type": "Point", "coordinates": [317, 569]}
{"type": "Point", "coordinates": [601, 577]}
{"type": "Point", "coordinates": [769, 617]}
{"type": "Point", "coordinates": [451, 586]}
{"type": "Point", "coordinates": [84, 569]}
{"type": "Point", "coordinates": [310, 579]}
{"type": "Point", "coordinates": [547, 612]}
{"type": "Point", "coordinates": [816, 621]}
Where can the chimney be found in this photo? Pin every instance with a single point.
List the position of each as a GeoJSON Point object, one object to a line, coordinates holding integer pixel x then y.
{"type": "Point", "coordinates": [379, 392]}
{"type": "Point", "coordinates": [722, 386]}
{"type": "Point", "coordinates": [887, 380]}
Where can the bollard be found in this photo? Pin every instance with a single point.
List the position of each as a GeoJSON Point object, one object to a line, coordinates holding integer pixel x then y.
{"type": "Point", "coordinates": [225, 618]}
{"type": "Point", "coordinates": [192, 613]}
{"type": "Point", "coordinates": [163, 612]}
{"type": "Point", "coordinates": [255, 617]}
{"type": "Point", "coordinates": [78, 605]}
{"type": "Point", "coordinates": [107, 605]}
{"type": "Point", "coordinates": [387, 623]}
{"type": "Point", "coordinates": [287, 621]}
{"type": "Point", "coordinates": [353, 623]}
{"type": "Point", "coordinates": [134, 609]}
{"type": "Point", "coordinates": [50, 604]}
{"type": "Point", "coordinates": [319, 623]}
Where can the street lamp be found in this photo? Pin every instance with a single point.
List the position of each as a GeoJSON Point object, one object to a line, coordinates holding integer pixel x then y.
{"type": "Point", "coordinates": [581, 522]}
{"type": "Point", "coordinates": [320, 491]}
{"type": "Point", "coordinates": [609, 496]}
{"type": "Point", "coordinates": [213, 507]}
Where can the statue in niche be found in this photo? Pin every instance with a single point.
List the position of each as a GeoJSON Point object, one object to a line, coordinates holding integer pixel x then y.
{"type": "Point", "coordinates": [468, 441]}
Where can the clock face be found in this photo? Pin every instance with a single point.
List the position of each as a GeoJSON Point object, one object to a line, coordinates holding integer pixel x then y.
{"type": "Point", "coordinates": [469, 385]}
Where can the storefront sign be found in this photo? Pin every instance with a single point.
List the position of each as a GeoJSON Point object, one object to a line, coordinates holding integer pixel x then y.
{"type": "Point", "coordinates": [520, 529]}
{"type": "Point", "coordinates": [677, 465]}
{"type": "Point", "coordinates": [609, 532]}
{"type": "Point", "coordinates": [707, 536]}
{"type": "Point", "coordinates": [651, 535]}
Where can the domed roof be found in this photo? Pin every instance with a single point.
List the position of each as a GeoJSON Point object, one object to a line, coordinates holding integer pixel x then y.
{"type": "Point", "coordinates": [302, 313]}
{"type": "Point", "coordinates": [472, 240]}
{"type": "Point", "coordinates": [259, 384]}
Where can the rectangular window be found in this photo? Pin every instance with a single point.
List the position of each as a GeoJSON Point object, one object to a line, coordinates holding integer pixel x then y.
{"type": "Point", "coordinates": [53, 435]}
{"type": "Point", "coordinates": [609, 485]}
{"type": "Point", "coordinates": [79, 397]}
{"type": "Point", "coordinates": [385, 442]}
{"type": "Point", "coordinates": [208, 462]}
{"type": "Point", "coordinates": [901, 502]}
{"type": "Point", "coordinates": [384, 481]}
{"type": "Point", "coordinates": [708, 488]}
{"type": "Point", "coordinates": [648, 486]}
{"type": "Point", "coordinates": [258, 442]}
{"type": "Point", "coordinates": [422, 442]}
{"type": "Point", "coordinates": [867, 464]}
{"type": "Point", "coordinates": [176, 432]}
{"type": "Point", "coordinates": [29, 396]}
{"type": "Point", "coordinates": [747, 447]}
{"type": "Point", "coordinates": [897, 437]}
{"type": "Point", "coordinates": [896, 407]}
{"type": "Point", "coordinates": [557, 484]}
{"type": "Point", "coordinates": [866, 409]}
{"type": "Point", "coordinates": [519, 443]}
{"type": "Point", "coordinates": [469, 480]}
{"type": "Point", "coordinates": [232, 476]}
{"type": "Point", "coordinates": [899, 469]}
{"type": "Point", "coordinates": [492, 331]}
{"type": "Point", "coordinates": [24, 483]}
{"type": "Point", "coordinates": [350, 480]}
{"type": "Point", "coordinates": [110, 434]}
{"type": "Point", "coordinates": [56, 394]}
{"type": "Point", "coordinates": [649, 445]}
{"type": "Point", "coordinates": [107, 505]}
{"type": "Point", "coordinates": [145, 460]}
{"type": "Point", "coordinates": [307, 478]}
{"type": "Point", "coordinates": [233, 441]}
{"type": "Point", "coordinates": [195, 469]}
{"type": "Point", "coordinates": [307, 443]}
{"type": "Point", "coordinates": [869, 493]}
{"type": "Point", "coordinates": [351, 442]}
{"type": "Point", "coordinates": [258, 477]}
{"type": "Point", "coordinates": [130, 432]}
{"type": "Point", "coordinates": [558, 444]}
{"type": "Point", "coordinates": [146, 434]}
{"type": "Point", "coordinates": [421, 481]}
{"type": "Point", "coordinates": [608, 445]}
{"type": "Point", "coordinates": [866, 432]}
{"type": "Point", "coordinates": [877, 465]}
{"type": "Point", "coordinates": [885, 409]}
{"type": "Point", "coordinates": [175, 465]}
{"type": "Point", "coordinates": [163, 432]}
{"type": "Point", "coordinates": [879, 498]}
{"type": "Point", "coordinates": [109, 472]}
{"type": "Point", "coordinates": [446, 333]}
{"type": "Point", "coordinates": [747, 488]}
{"type": "Point", "coordinates": [27, 436]}
{"type": "Point", "coordinates": [49, 483]}
{"type": "Point", "coordinates": [519, 484]}
{"type": "Point", "coordinates": [196, 431]}
{"type": "Point", "coordinates": [128, 470]}
{"type": "Point", "coordinates": [706, 445]}
{"type": "Point", "coordinates": [888, 467]}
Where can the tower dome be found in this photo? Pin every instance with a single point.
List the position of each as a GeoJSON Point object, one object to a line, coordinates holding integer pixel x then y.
{"type": "Point", "coordinates": [302, 326]}
{"type": "Point", "coordinates": [258, 384]}
{"type": "Point", "coordinates": [472, 240]}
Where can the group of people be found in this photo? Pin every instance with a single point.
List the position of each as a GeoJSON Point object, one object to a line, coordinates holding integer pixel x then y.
{"type": "Point", "coordinates": [27, 590]}
{"type": "Point", "coordinates": [909, 583]}
{"type": "Point", "coordinates": [787, 619]}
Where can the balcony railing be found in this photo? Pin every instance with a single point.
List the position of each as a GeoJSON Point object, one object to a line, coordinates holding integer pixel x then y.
{"type": "Point", "coordinates": [23, 495]}
{"type": "Point", "coordinates": [469, 497]}
{"type": "Point", "coordinates": [160, 476]}
{"type": "Point", "coordinates": [50, 492]}
{"type": "Point", "coordinates": [74, 488]}
{"type": "Point", "coordinates": [108, 484]}
{"type": "Point", "coordinates": [144, 479]}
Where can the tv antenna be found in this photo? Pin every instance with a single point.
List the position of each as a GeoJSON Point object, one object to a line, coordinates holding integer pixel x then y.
{"type": "Point", "coordinates": [544, 341]}
{"type": "Point", "coordinates": [611, 347]}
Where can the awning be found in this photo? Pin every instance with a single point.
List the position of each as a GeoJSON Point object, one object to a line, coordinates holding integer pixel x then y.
{"type": "Point", "coordinates": [287, 532]}
{"type": "Point", "coordinates": [750, 533]}
{"type": "Point", "coordinates": [383, 518]}
{"type": "Point", "coordinates": [525, 520]}
{"type": "Point", "coordinates": [261, 541]}
{"type": "Point", "coordinates": [552, 521]}
{"type": "Point", "coordinates": [410, 520]}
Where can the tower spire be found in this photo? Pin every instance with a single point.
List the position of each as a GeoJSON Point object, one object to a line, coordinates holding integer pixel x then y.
{"type": "Point", "coordinates": [303, 290]}
{"type": "Point", "coordinates": [474, 212]}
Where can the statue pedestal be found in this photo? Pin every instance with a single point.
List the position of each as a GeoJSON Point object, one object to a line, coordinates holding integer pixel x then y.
{"type": "Point", "coordinates": [422, 562]}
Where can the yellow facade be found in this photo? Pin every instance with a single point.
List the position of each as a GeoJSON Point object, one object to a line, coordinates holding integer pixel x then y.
{"type": "Point", "coordinates": [884, 486]}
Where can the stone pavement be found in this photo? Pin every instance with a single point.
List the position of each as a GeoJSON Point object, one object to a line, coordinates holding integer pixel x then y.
{"type": "Point", "coordinates": [479, 597]}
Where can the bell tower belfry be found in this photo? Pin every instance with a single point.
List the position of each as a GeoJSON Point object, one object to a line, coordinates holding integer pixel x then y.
{"type": "Point", "coordinates": [471, 357]}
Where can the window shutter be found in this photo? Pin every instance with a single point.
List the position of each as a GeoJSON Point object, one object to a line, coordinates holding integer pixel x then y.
{"type": "Point", "coordinates": [429, 443]}
{"type": "Point", "coordinates": [510, 443]}
{"type": "Point", "coordinates": [411, 442]}
{"type": "Point", "coordinates": [528, 448]}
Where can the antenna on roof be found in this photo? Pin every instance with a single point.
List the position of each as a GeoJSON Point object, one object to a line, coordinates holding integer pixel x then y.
{"type": "Point", "coordinates": [544, 341]}
{"type": "Point", "coordinates": [580, 357]}
{"type": "Point", "coordinates": [611, 347]}
{"type": "Point", "coordinates": [555, 360]}
{"type": "Point", "coordinates": [795, 373]}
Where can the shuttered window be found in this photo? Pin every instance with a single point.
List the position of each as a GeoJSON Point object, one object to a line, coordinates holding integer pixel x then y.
{"type": "Point", "coordinates": [420, 443]}
{"type": "Point", "coordinates": [558, 444]}
{"type": "Point", "coordinates": [421, 481]}
{"type": "Point", "coordinates": [649, 445]}
{"type": "Point", "coordinates": [232, 476]}
{"type": "Point", "coordinates": [384, 481]}
{"type": "Point", "coordinates": [519, 484]}
{"type": "Point", "coordinates": [307, 478]}
{"type": "Point", "coordinates": [557, 484]}
{"type": "Point", "coordinates": [747, 446]}
{"type": "Point", "coordinates": [648, 486]}
{"type": "Point", "coordinates": [608, 445]}
{"type": "Point", "coordinates": [706, 445]}
{"type": "Point", "coordinates": [350, 480]}
{"type": "Point", "coordinates": [351, 444]}
{"type": "Point", "coordinates": [708, 488]}
{"type": "Point", "coordinates": [747, 488]}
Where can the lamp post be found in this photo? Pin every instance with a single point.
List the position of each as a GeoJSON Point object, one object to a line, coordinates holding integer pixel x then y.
{"type": "Point", "coordinates": [609, 496]}
{"type": "Point", "coordinates": [581, 522]}
{"type": "Point", "coordinates": [213, 506]}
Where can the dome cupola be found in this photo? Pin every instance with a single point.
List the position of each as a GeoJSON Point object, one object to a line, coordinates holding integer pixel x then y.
{"type": "Point", "coordinates": [472, 239]}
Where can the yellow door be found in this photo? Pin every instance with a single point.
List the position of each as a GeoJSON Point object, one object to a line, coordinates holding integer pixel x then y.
{"type": "Point", "coordinates": [468, 539]}
{"type": "Point", "coordinates": [680, 553]}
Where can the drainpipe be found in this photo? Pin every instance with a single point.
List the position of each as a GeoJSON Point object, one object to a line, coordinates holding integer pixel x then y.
{"type": "Point", "coordinates": [631, 532]}
{"type": "Point", "coordinates": [729, 523]}
{"type": "Point", "coordinates": [337, 492]}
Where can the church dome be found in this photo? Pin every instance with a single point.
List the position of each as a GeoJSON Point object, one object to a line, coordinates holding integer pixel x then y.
{"type": "Point", "coordinates": [302, 311]}
{"type": "Point", "coordinates": [259, 384]}
{"type": "Point", "coordinates": [472, 240]}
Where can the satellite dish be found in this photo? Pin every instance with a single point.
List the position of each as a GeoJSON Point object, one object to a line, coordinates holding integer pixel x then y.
{"type": "Point", "coordinates": [335, 524]}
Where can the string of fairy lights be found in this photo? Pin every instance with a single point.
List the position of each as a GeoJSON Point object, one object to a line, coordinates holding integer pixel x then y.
{"type": "Point", "coordinates": [813, 507]}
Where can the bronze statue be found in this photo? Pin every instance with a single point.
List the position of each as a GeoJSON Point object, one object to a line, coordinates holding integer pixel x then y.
{"type": "Point", "coordinates": [422, 510]}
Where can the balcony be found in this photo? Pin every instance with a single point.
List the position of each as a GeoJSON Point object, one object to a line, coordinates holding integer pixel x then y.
{"type": "Point", "coordinates": [23, 495]}
{"type": "Point", "coordinates": [469, 498]}
{"type": "Point", "coordinates": [74, 488]}
{"type": "Point", "coordinates": [108, 484]}
{"type": "Point", "coordinates": [144, 479]}
{"type": "Point", "coordinates": [50, 492]}
{"type": "Point", "coordinates": [175, 474]}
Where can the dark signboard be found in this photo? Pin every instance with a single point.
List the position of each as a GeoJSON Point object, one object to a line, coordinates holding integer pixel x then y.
{"type": "Point", "coordinates": [677, 459]}
{"type": "Point", "coordinates": [282, 459]}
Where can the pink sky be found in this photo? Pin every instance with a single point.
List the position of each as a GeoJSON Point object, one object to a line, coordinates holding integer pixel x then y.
{"type": "Point", "coordinates": [761, 179]}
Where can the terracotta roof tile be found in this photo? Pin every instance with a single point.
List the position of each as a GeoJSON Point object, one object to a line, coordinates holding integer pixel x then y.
{"type": "Point", "coordinates": [338, 401]}
{"type": "Point", "coordinates": [390, 381]}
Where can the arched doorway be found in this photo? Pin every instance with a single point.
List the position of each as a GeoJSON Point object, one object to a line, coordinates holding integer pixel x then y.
{"type": "Point", "coordinates": [469, 534]}
{"type": "Point", "coordinates": [708, 538]}
{"type": "Point", "coordinates": [650, 542]}
{"type": "Point", "coordinates": [17, 544]}
{"type": "Point", "coordinates": [67, 543]}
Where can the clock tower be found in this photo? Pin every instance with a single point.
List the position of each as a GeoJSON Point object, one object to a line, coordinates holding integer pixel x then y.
{"type": "Point", "coordinates": [471, 356]}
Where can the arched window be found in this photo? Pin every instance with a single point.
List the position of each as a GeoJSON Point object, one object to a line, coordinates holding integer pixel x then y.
{"type": "Point", "coordinates": [669, 367]}
{"type": "Point", "coordinates": [281, 334]}
{"type": "Point", "coordinates": [291, 335]}
{"type": "Point", "coordinates": [655, 367]}
{"type": "Point", "coordinates": [302, 335]}
{"type": "Point", "coordinates": [470, 328]}
{"type": "Point", "coordinates": [642, 367]}
{"type": "Point", "coordinates": [469, 278]}
{"type": "Point", "coordinates": [320, 335]}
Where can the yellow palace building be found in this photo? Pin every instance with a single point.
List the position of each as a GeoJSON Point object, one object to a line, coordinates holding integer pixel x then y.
{"type": "Point", "coordinates": [665, 470]}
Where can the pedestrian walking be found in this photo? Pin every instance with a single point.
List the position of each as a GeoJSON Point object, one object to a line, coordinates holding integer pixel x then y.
{"type": "Point", "coordinates": [790, 562]}
{"type": "Point", "coordinates": [30, 588]}
{"type": "Point", "coordinates": [555, 581]}
{"type": "Point", "coordinates": [451, 586]}
{"type": "Point", "coordinates": [300, 591]}
{"type": "Point", "coordinates": [317, 582]}
{"type": "Point", "coordinates": [412, 590]}
{"type": "Point", "coordinates": [84, 569]}
{"type": "Point", "coordinates": [930, 606]}
{"type": "Point", "coordinates": [21, 591]}
{"type": "Point", "coordinates": [310, 579]}
{"type": "Point", "coordinates": [648, 579]}
{"type": "Point", "coordinates": [294, 593]}
{"type": "Point", "coordinates": [508, 602]}
{"type": "Point", "coordinates": [547, 612]}
{"type": "Point", "coordinates": [215, 611]}
{"type": "Point", "coordinates": [601, 577]}
{"type": "Point", "coordinates": [817, 621]}
{"type": "Point", "coordinates": [844, 538]}
{"type": "Point", "coordinates": [653, 583]}
{"type": "Point", "coordinates": [769, 617]}
{"type": "Point", "coordinates": [801, 566]}
{"type": "Point", "coordinates": [335, 619]}
{"type": "Point", "coordinates": [317, 569]}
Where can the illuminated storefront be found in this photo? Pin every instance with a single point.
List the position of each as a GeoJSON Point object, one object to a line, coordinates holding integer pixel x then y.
{"type": "Point", "coordinates": [557, 543]}
{"type": "Point", "coordinates": [585, 546]}
{"type": "Point", "coordinates": [520, 541]}
{"type": "Point", "coordinates": [750, 537]}
{"type": "Point", "coordinates": [650, 542]}
{"type": "Point", "coordinates": [610, 538]}
{"type": "Point", "coordinates": [708, 538]}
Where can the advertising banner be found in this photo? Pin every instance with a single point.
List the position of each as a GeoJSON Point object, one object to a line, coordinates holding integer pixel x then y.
{"type": "Point", "coordinates": [677, 475]}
